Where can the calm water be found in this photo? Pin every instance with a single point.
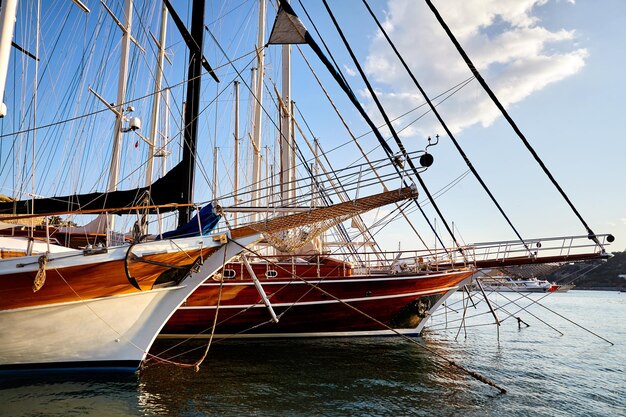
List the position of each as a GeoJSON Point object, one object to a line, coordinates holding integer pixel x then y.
{"type": "Point", "coordinates": [545, 373]}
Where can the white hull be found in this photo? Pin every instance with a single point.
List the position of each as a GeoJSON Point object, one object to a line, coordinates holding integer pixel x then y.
{"type": "Point", "coordinates": [508, 284]}
{"type": "Point", "coordinates": [514, 289]}
{"type": "Point", "coordinates": [110, 332]}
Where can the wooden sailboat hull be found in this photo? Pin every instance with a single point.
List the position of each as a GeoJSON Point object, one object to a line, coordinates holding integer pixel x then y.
{"type": "Point", "coordinates": [105, 332]}
{"type": "Point", "coordinates": [75, 276]}
{"type": "Point", "coordinates": [315, 307]}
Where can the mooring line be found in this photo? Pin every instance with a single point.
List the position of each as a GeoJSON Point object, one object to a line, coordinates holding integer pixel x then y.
{"type": "Point", "coordinates": [570, 321]}
{"type": "Point", "coordinates": [473, 374]}
{"type": "Point", "coordinates": [558, 314]}
{"type": "Point", "coordinates": [522, 308]}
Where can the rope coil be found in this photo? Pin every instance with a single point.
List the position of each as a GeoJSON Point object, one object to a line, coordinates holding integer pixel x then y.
{"type": "Point", "coordinates": [40, 278]}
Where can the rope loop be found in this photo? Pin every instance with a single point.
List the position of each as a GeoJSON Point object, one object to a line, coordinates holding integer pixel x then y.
{"type": "Point", "coordinates": [40, 278]}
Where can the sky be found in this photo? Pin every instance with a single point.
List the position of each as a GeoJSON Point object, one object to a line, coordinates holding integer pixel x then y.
{"type": "Point", "coordinates": [556, 65]}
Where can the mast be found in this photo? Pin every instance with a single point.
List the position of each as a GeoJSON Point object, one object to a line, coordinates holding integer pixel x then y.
{"type": "Point", "coordinates": [121, 96]}
{"type": "Point", "coordinates": [35, 89]}
{"type": "Point", "coordinates": [154, 121]}
{"type": "Point", "coordinates": [292, 151]}
{"type": "Point", "coordinates": [119, 114]}
{"type": "Point", "coordinates": [215, 168]}
{"type": "Point", "coordinates": [192, 108]}
{"type": "Point", "coordinates": [166, 134]}
{"type": "Point", "coordinates": [285, 130]}
{"type": "Point", "coordinates": [236, 167]}
{"type": "Point", "coordinates": [256, 161]}
{"type": "Point", "coordinates": [7, 24]}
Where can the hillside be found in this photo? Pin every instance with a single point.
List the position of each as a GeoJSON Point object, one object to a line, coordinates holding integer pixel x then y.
{"type": "Point", "coordinates": [604, 275]}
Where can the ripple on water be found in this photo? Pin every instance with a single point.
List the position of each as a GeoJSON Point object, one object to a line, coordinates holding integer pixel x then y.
{"type": "Point", "coordinates": [545, 374]}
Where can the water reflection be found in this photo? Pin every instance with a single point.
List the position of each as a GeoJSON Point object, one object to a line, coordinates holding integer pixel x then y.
{"type": "Point", "coordinates": [545, 374]}
{"type": "Point", "coordinates": [340, 376]}
{"type": "Point", "coordinates": [68, 394]}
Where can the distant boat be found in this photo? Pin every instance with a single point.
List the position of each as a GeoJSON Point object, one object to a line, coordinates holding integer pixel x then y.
{"type": "Point", "coordinates": [505, 283]}
{"type": "Point", "coordinates": [564, 287]}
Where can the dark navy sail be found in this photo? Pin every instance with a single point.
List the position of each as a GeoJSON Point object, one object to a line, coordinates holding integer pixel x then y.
{"type": "Point", "coordinates": [166, 190]}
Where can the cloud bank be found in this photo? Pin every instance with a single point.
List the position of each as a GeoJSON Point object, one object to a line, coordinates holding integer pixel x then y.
{"type": "Point", "coordinates": [505, 39]}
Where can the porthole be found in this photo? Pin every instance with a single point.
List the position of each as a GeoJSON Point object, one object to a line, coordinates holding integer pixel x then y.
{"type": "Point", "coordinates": [230, 273]}
{"type": "Point", "coordinates": [271, 274]}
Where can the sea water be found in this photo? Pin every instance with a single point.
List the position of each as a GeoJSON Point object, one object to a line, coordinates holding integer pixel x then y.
{"type": "Point", "coordinates": [545, 373]}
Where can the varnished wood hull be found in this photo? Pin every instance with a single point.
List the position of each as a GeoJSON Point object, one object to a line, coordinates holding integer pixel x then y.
{"type": "Point", "coordinates": [74, 276]}
{"type": "Point", "coordinates": [314, 307]}
{"type": "Point", "coordinates": [94, 330]}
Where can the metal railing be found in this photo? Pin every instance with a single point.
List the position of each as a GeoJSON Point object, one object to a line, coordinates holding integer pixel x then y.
{"type": "Point", "coordinates": [478, 255]}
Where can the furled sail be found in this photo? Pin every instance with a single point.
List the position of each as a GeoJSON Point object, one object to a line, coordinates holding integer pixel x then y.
{"type": "Point", "coordinates": [166, 190]}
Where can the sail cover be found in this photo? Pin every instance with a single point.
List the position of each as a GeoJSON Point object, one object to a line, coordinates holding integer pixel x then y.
{"type": "Point", "coordinates": [166, 190]}
{"type": "Point", "coordinates": [288, 28]}
{"type": "Point", "coordinates": [196, 227]}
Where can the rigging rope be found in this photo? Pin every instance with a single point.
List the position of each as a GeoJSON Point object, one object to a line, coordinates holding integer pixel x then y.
{"type": "Point", "coordinates": [40, 278]}
{"type": "Point", "coordinates": [346, 88]}
{"type": "Point", "coordinates": [450, 362]}
{"type": "Point", "coordinates": [511, 122]}
{"type": "Point", "coordinates": [390, 126]}
{"type": "Point", "coordinates": [445, 127]}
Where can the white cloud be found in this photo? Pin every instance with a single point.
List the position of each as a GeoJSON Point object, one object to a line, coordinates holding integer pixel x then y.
{"type": "Point", "coordinates": [350, 71]}
{"type": "Point", "coordinates": [504, 38]}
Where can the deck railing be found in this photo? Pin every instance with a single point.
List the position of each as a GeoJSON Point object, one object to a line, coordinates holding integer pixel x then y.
{"type": "Point", "coordinates": [479, 255]}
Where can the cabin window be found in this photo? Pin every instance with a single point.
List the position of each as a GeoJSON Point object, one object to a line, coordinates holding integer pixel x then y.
{"type": "Point", "coordinates": [230, 273]}
{"type": "Point", "coordinates": [271, 273]}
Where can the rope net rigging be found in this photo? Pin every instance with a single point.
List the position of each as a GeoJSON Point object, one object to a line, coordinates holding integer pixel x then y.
{"type": "Point", "coordinates": [288, 233]}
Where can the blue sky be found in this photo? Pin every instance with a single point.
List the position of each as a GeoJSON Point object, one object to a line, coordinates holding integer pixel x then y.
{"type": "Point", "coordinates": [566, 62]}
{"type": "Point", "coordinates": [557, 65]}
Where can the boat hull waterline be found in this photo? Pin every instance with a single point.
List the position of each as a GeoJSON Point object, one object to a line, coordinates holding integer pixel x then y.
{"type": "Point", "coordinates": [342, 306]}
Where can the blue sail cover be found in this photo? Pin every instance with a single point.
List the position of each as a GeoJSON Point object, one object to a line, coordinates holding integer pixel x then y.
{"type": "Point", "coordinates": [208, 221]}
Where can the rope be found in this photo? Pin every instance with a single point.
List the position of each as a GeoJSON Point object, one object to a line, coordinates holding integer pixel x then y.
{"type": "Point", "coordinates": [392, 129]}
{"type": "Point", "coordinates": [40, 278]}
{"type": "Point", "coordinates": [511, 122]}
{"type": "Point", "coordinates": [445, 127]}
{"type": "Point", "coordinates": [124, 104]}
{"type": "Point", "coordinates": [86, 304]}
{"type": "Point", "coordinates": [566, 319]}
{"type": "Point", "coordinates": [196, 365]}
{"type": "Point", "coordinates": [348, 91]}
{"type": "Point", "coordinates": [522, 308]}
{"type": "Point", "coordinates": [469, 372]}
{"type": "Point", "coordinates": [219, 299]}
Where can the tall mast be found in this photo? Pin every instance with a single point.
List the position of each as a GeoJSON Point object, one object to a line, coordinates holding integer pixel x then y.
{"type": "Point", "coordinates": [121, 96]}
{"type": "Point", "coordinates": [154, 121]}
{"type": "Point", "coordinates": [114, 169]}
{"type": "Point", "coordinates": [166, 133]}
{"type": "Point", "coordinates": [192, 107]}
{"type": "Point", "coordinates": [7, 24]}
{"type": "Point", "coordinates": [292, 151]}
{"type": "Point", "coordinates": [286, 180]}
{"type": "Point", "coordinates": [256, 137]}
{"type": "Point", "coordinates": [236, 167]}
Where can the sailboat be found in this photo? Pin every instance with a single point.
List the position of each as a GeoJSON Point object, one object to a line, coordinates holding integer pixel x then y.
{"type": "Point", "coordinates": [315, 295]}
{"type": "Point", "coordinates": [310, 294]}
{"type": "Point", "coordinates": [101, 306]}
